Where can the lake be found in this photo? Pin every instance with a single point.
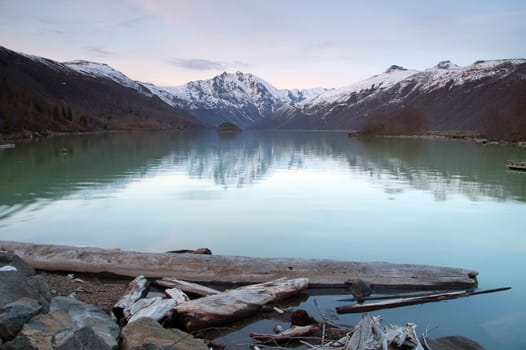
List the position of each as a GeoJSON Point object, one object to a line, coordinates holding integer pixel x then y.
{"type": "Point", "coordinates": [290, 194]}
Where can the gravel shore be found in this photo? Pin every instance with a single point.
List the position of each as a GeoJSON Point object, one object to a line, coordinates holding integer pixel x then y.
{"type": "Point", "coordinates": [91, 289]}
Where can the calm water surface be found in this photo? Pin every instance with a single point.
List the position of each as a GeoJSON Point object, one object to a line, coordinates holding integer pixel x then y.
{"type": "Point", "coordinates": [308, 195]}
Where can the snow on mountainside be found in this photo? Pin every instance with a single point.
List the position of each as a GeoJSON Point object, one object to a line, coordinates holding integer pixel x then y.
{"type": "Point", "coordinates": [444, 73]}
{"type": "Point", "coordinates": [47, 62]}
{"type": "Point", "coordinates": [448, 74]}
{"type": "Point", "coordinates": [376, 83]}
{"type": "Point", "coordinates": [227, 89]}
{"type": "Point", "coordinates": [233, 89]}
{"type": "Point", "coordinates": [313, 92]}
{"type": "Point", "coordinates": [102, 70]}
{"type": "Point", "coordinates": [238, 97]}
{"type": "Point", "coordinates": [451, 97]}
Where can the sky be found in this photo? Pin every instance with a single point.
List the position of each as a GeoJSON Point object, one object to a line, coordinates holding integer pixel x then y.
{"type": "Point", "coordinates": [290, 43]}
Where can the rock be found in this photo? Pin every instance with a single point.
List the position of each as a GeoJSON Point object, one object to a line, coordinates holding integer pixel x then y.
{"type": "Point", "coordinates": [8, 259]}
{"type": "Point", "coordinates": [23, 294]}
{"type": "Point", "coordinates": [146, 333]}
{"type": "Point", "coordinates": [86, 315]}
{"type": "Point", "coordinates": [13, 316]}
{"type": "Point", "coordinates": [454, 343]}
{"type": "Point", "coordinates": [359, 289]}
{"type": "Point", "coordinates": [84, 339]}
{"type": "Point", "coordinates": [15, 285]}
{"type": "Point", "coordinates": [20, 343]}
{"type": "Point", "coordinates": [44, 331]}
{"type": "Point", "coordinates": [70, 324]}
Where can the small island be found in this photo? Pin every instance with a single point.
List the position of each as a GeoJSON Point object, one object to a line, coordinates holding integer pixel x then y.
{"type": "Point", "coordinates": [228, 128]}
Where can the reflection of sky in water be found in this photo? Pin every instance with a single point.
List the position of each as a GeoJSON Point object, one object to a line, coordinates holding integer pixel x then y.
{"type": "Point", "coordinates": [314, 196]}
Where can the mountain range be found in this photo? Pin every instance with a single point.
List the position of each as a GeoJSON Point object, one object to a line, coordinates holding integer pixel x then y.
{"type": "Point", "coordinates": [82, 95]}
{"type": "Point", "coordinates": [449, 97]}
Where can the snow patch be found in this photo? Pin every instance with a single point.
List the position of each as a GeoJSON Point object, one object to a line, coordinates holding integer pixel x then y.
{"type": "Point", "coordinates": [102, 70]}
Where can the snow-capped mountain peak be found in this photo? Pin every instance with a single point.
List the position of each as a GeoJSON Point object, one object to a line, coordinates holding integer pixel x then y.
{"type": "Point", "coordinates": [244, 97]}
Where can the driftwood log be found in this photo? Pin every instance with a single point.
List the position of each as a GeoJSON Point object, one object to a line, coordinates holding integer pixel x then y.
{"type": "Point", "coordinates": [155, 308]}
{"type": "Point", "coordinates": [187, 287]}
{"type": "Point", "coordinates": [294, 332]}
{"type": "Point", "coordinates": [238, 270]}
{"type": "Point", "coordinates": [413, 301]}
{"type": "Point", "coordinates": [137, 289]}
{"type": "Point", "coordinates": [228, 306]}
{"type": "Point", "coordinates": [177, 295]}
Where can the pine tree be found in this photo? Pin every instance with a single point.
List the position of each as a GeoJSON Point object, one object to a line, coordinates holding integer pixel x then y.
{"type": "Point", "coordinates": [56, 114]}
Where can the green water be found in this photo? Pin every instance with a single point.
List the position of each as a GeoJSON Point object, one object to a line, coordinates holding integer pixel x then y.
{"type": "Point", "coordinates": [282, 194]}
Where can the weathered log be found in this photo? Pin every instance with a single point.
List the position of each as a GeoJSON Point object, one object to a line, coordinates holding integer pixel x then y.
{"type": "Point", "coordinates": [395, 296]}
{"type": "Point", "coordinates": [412, 301]}
{"type": "Point", "coordinates": [241, 270]}
{"type": "Point", "coordinates": [187, 287]}
{"type": "Point", "coordinates": [222, 308]}
{"type": "Point", "coordinates": [177, 295]}
{"type": "Point", "coordinates": [156, 308]}
{"type": "Point", "coordinates": [137, 289]}
{"type": "Point", "coordinates": [294, 332]}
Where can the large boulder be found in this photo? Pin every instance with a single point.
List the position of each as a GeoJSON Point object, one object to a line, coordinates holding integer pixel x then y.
{"type": "Point", "coordinates": [44, 331]}
{"type": "Point", "coordinates": [146, 333]}
{"type": "Point", "coordinates": [18, 280]}
{"type": "Point", "coordinates": [70, 324]}
{"type": "Point", "coordinates": [87, 315]}
{"type": "Point", "coordinates": [15, 285]}
{"type": "Point", "coordinates": [84, 339]}
{"type": "Point", "coordinates": [13, 316]}
{"type": "Point", "coordinates": [22, 295]}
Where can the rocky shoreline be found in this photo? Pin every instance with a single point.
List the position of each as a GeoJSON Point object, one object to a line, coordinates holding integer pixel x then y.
{"type": "Point", "coordinates": [60, 310]}
{"type": "Point", "coordinates": [57, 311]}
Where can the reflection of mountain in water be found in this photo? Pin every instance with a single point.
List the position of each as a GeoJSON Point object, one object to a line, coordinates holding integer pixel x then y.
{"type": "Point", "coordinates": [60, 167]}
{"type": "Point", "coordinates": [443, 167]}
{"type": "Point", "coordinates": [235, 162]}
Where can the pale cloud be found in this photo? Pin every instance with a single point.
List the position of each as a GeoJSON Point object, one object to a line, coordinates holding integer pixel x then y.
{"type": "Point", "coordinates": [196, 64]}
{"type": "Point", "coordinates": [99, 51]}
{"type": "Point", "coordinates": [204, 64]}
